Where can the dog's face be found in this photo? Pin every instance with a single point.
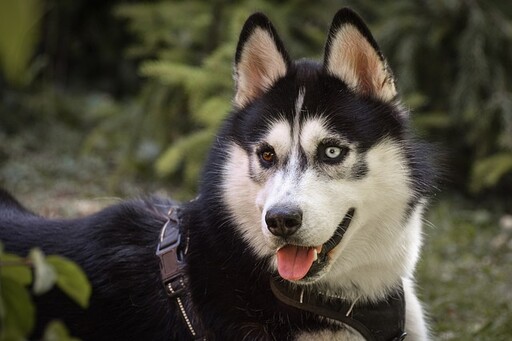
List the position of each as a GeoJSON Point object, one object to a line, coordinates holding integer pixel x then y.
{"type": "Point", "coordinates": [317, 176]}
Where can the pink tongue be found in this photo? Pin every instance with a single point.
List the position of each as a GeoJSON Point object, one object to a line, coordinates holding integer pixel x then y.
{"type": "Point", "coordinates": [294, 262]}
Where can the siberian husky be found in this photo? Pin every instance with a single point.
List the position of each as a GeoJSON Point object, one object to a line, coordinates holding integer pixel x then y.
{"type": "Point", "coordinates": [307, 225]}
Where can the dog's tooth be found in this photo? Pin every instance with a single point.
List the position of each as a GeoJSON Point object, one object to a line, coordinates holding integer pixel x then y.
{"type": "Point", "coordinates": [315, 255]}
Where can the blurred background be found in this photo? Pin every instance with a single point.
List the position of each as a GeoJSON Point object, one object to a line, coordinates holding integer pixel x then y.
{"type": "Point", "coordinates": [104, 100]}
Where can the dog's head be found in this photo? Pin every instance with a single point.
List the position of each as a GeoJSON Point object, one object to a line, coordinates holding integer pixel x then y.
{"type": "Point", "coordinates": [318, 169]}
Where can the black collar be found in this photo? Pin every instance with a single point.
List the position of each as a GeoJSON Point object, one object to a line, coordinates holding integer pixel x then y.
{"type": "Point", "coordinates": [382, 321]}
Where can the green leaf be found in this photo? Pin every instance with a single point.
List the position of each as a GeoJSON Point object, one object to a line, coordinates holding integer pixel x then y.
{"type": "Point", "coordinates": [57, 331]}
{"type": "Point", "coordinates": [432, 120]}
{"type": "Point", "coordinates": [212, 111]}
{"type": "Point", "coordinates": [19, 22]}
{"type": "Point", "coordinates": [44, 273]}
{"type": "Point", "coordinates": [172, 158]}
{"type": "Point", "coordinates": [2, 307]}
{"type": "Point", "coordinates": [487, 172]}
{"type": "Point", "coordinates": [14, 267]}
{"type": "Point", "coordinates": [173, 73]}
{"type": "Point", "coordinates": [416, 100]}
{"type": "Point", "coordinates": [71, 280]}
{"type": "Point", "coordinates": [19, 310]}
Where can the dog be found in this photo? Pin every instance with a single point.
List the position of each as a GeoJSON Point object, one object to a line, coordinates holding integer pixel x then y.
{"type": "Point", "coordinates": [307, 225]}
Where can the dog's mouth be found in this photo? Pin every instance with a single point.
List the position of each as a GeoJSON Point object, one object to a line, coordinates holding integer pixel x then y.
{"type": "Point", "coordinates": [296, 263]}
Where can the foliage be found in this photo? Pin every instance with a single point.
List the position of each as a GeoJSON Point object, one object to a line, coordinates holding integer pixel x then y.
{"type": "Point", "coordinates": [452, 60]}
{"type": "Point", "coordinates": [488, 171]}
{"type": "Point", "coordinates": [19, 33]}
{"type": "Point", "coordinates": [17, 311]}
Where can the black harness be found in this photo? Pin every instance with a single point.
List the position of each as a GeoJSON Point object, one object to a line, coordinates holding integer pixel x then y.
{"type": "Point", "coordinates": [171, 251]}
{"type": "Point", "coordinates": [382, 321]}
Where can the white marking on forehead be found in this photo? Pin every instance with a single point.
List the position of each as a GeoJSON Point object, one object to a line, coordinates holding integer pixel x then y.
{"type": "Point", "coordinates": [299, 102]}
{"type": "Point", "coordinates": [313, 131]}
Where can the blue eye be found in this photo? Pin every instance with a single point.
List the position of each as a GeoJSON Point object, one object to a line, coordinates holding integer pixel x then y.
{"type": "Point", "coordinates": [332, 154]}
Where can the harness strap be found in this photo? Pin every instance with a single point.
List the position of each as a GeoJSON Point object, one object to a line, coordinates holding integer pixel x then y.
{"type": "Point", "coordinates": [382, 321]}
{"type": "Point", "coordinates": [171, 253]}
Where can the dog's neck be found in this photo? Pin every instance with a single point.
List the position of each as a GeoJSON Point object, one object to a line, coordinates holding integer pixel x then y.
{"type": "Point", "coordinates": [356, 287]}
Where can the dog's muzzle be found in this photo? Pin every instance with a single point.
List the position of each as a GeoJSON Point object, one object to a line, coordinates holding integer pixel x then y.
{"type": "Point", "coordinates": [297, 262]}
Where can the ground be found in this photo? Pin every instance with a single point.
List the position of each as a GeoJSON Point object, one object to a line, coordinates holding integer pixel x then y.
{"type": "Point", "coordinates": [464, 277]}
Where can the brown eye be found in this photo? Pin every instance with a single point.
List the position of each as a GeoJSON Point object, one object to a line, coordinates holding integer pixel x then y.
{"type": "Point", "coordinates": [267, 156]}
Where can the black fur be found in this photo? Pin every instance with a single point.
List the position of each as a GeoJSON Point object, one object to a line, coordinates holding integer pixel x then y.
{"type": "Point", "coordinates": [229, 284]}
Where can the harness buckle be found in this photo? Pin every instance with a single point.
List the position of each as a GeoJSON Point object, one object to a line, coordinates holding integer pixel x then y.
{"type": "Point", "coordinates": [171, 257]}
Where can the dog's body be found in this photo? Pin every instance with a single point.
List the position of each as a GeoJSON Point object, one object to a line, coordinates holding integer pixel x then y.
{"type": "Point", "coordinates": [313, 177]}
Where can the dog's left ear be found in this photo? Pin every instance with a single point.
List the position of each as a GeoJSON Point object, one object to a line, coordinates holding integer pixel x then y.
{"type": "Point", "coordinates": [260, 59]}
{"type": "Point", "coordinates": [352, 55]}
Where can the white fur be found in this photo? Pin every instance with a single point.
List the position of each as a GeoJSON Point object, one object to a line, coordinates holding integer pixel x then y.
{"type": "Point", "coordinates": [375, 244]}
{"type": "Point", "coordinates": [380, 247]}
{"type": "Point", "coordinates": [299, 102]}
{"type": "Point", "coordinates": [242, 196]}
{"type": "Point", "coordinates": [280, 137]}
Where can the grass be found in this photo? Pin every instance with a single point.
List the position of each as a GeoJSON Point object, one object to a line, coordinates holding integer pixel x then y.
{"type": "Point", "coordinates": [466, 271]}
{"type": "Point", "coordinates": [465, 275]}
{"type": "Point", "coordinates": [46, 168]}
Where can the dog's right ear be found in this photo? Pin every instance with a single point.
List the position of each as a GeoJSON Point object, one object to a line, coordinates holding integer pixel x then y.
{"type": "Point", "coordinates": [260, 59]}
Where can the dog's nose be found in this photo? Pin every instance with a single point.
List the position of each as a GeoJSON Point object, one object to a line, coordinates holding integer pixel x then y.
{"type": "Point", "coordinates": [283, 221]}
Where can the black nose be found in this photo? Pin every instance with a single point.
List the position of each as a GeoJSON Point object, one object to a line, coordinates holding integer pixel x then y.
{"type": "Point", "coordinates": [283, 221]}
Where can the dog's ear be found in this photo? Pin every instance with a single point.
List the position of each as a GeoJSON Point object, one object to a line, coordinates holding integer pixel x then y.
{"type": "Point", "coordinates": [352, 55]}
{"type": "Point", "coordinates": [260, 59]}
